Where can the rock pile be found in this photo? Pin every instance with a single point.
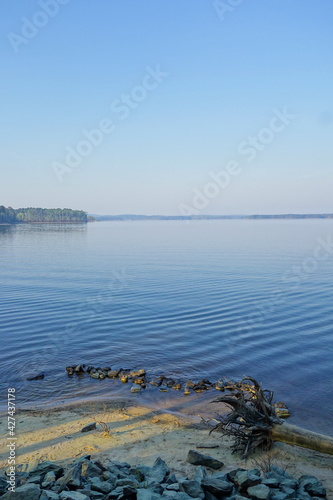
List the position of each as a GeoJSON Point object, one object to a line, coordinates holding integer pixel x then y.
{"type": "Point", "coordinates": [86, 479]}
{"type": "Point", "coordinates": [140, 380]}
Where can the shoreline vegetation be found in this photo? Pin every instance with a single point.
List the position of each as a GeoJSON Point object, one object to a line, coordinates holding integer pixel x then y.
{"type": "Point", "coordinates": [33, 215]}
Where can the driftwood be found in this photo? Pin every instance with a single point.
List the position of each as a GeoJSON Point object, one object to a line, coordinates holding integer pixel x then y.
{"type": "Point", "coordinates": [253, 421]}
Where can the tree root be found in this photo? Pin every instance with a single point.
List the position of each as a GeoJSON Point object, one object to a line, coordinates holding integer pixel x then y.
{"type": "Point", "coordinates": [253, 422]}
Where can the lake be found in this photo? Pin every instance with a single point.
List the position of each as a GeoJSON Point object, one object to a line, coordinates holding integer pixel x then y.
{"type": "Point", "coordinates": [204, 299]}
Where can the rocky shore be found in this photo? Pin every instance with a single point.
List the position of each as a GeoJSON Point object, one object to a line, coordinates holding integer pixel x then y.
{"type": "Point", "coordinates": [139, 380]}
{"type": "Point", "coordinates": [86, 479]}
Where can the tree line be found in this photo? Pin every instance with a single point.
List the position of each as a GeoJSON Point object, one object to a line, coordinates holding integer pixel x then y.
{"type": "Point", "coordinates": [11, 216]}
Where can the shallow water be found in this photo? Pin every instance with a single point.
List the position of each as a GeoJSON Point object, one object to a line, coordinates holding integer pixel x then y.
{"type": "Point", "coordinates": [191, 300]}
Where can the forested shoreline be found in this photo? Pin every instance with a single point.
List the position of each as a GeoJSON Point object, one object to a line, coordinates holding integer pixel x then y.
{"type": "Point", "coordinates": [41, 215]}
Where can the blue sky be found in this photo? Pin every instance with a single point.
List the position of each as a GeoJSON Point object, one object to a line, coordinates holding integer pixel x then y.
{"type": "Point", "coordinates": [224, 78]}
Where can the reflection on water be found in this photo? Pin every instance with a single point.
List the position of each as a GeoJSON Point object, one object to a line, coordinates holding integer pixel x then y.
{"type": "Point", "coordinates": [205, 299]}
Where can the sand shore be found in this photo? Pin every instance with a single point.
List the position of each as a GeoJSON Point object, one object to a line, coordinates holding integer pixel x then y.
{"type": "Point", "coordinates": [140, 434]}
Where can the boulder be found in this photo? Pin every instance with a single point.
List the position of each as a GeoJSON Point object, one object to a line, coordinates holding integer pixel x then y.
{"type": "Point", "coordinates": [102, 486]}
{"type": "Point", "coordinates": [200, 473]}
{"type": "Point", "coordinates": [90, 469]}
{"type": "Point", "coordinates": [312, 485]}
{"type": "Point", "coordinates": [49, 479]}
{"type": "Point", "coordinates": [25, 492]}
{"type": "Point", "coordinates": [216, 486]}
{"type": "Point", "coordinates": [72, 477]}
{"type": "Point", "coordinates": [43, 468]}
{"type": "Point", "coordinates": [192, 488]}
{"type": "Point", "coordinates": [246, 479]}
{"type": "Point", "coordinates": [259, 492]}
{"type": "Point", "coordinates": [196, 458]}
{"type": "Point", "coordinates": [158, 472]}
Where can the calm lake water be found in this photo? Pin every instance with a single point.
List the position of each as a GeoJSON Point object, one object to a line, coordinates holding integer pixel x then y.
{"type": "Point", "coordinates": [203, 299]}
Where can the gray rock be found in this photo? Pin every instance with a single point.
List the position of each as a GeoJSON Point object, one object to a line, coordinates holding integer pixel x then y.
{"type": "Point", "coordinates": [196, 458]}
{"type": "Point", "coordinates": [25, 492]}
{"type": "Point", "coordinates": [171, 479]}
{"type": "Point", "coordinates": [232, 474]}
{"type": "Point", "coordinates": [158, 472]}
{"type": "Point", "coordinates": [156, 488]}
{"type": "Point", "coordinates": [89, 469]}
{"type": "Point", "coordinates": [193, 489]}
{"type": "Point", "coordinates": [169, 494]}
{"type": "Point", "coordinates": [290, 483]}
{"type": "Point", "coordinates": [220, 475]}
{"type": "Point", "coordinates": [73, 495]}
{"type": "Point", "coordinates": [108, 476]}
{"type": "Point", "coordinates": [139, 472]}
{"type": "Point", "coordinates": [281, 472]}
{"type": "Point", "coordinates": [145, 494]}
{"type": "Point", "coordinates": [279, 496]}
{"type": "Point", "coordinates": [43, 468]}
{"type": "Point", "coordinates": [102, 486]}
{"type": "Point", "coordinates": [119, 473]}
{"type": "Point", "coordinates": [271, 482]}
{"type": "Point", "coordinates": [117, 492]}
{"type": "Point", "coordinates": [173, 487]}
{"type": "Point", "coordinates": [35, 479]}
{"type": "Point", "coordinates": [128, 494]}
{"type": "Point", "coordinates": [183, 496]}
{"type": "Point", "coordinates": [312, 486]}
{"type": "Point", "coordinates": [72, 477]}
{"type": "Point", "coordinates": [89, 427]}
{"type": "Point", "coordinates": [209, 496]}
{"type": "Point", "coordinates": [246, 479]}
{"type": "Point", "coordinates": [3, 484]}
{"type": "Point", "coordinates": [128, 481]}
{"type": "Point", "coordinates": [95, 495]}
{"type": "Point", "coordinates": [302, 494]}
{"type": "Point", "coordinates": [49, 495]}
{"type": "Point", "coordinates": [216, 486]}
{"type": "Point", "coordinates": [288, 491]}
{"type": "Point", "coordinates": [259, 492]}
{"type": "Point", "coordinates": [200, 473]}
{"type": "Point", "coordinates": [49, 479]}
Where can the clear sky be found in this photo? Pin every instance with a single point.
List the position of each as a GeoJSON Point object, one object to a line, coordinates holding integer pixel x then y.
{"type": "Point", "coordinates": [181, 91]}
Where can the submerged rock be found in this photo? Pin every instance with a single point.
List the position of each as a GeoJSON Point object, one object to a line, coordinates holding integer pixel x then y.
{"type": "Point", "coordinates": [39, 376]}
{"type": "Point", "coordinates": [136, 388]}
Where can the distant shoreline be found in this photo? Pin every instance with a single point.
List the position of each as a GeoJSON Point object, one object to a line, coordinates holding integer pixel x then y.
{"type": "Point", "coordinates": [132, 217]}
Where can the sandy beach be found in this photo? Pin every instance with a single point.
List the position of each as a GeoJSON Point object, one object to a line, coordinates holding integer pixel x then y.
{"type": "Point", "coordinates": [138, 435]}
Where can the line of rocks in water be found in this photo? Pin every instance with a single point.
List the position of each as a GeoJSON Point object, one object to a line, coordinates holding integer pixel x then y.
{"type": "Point", "coordinates": [91, 480]}
{"type": "Point", "coordinates": [140, 381]}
